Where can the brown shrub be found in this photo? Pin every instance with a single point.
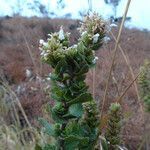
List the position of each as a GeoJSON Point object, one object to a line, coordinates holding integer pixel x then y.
{"type": "Point", "coordinates": [19, 50]}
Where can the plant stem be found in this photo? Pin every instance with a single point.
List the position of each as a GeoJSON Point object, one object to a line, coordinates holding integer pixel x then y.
{"type": "Point", "coordinates": [114, 56]}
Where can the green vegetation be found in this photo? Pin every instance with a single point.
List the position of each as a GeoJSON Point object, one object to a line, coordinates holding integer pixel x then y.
{"type": "Point", "coordinates": [75, 113]}
{"type": "Point", "coordinates": [114, 126]}
{"type": "Point", "coordinates": [144, 82]}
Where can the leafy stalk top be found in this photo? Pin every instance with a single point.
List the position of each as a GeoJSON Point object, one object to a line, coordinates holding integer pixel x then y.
{"type": "Point", "coordinates": [75, 112]}
{"type": "Point", "coordinates": [144, 82]}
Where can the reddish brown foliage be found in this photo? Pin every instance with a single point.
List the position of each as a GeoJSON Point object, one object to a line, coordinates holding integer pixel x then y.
{"type": "Point", "coordinates": [19, 50]}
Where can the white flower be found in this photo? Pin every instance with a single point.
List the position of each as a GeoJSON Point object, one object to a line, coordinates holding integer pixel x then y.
{"type": "Point", "coordinates": [106, 39]}
{"type": "Point", "coordinates": [50, 74]}
{"type": "Point", "coordinates": [49, 77]}
{"type": "Point", "coordinates": [38, 78]}
{"type": "Point", "coordinates": [45, 54]}
{"type": "Point", "coordinates": [41, 41]}
{"type": "Point", "coordinates": [61, 34]}
{"type": "Point", "coordinates": [61, 85]}
{"type": "Point", "coordinates": [74, 46]}
{"type": "Point", "coordinates": [18, 90]}
{"type": "Point", "coordinates": [113, 25]}
{"type": "Point", "coordinates": [95, 38]}
{"type": "Point", "coordinates": [49, 35]}
{"type": "Point", "coordinates": [45, 44]}
{"type": "Point", "coordinates": [94, 60]}
{"type": "Point", "coordinates": [28, 73]}
{"type": "Point", "coordinates": [83, 33]}
{"type": "Point", "coordinates": [42, 53]}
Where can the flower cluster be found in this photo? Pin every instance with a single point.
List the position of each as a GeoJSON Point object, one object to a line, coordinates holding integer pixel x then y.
{"type": "Point", "coordinates": [54, 48]}
{"type": "Point", "coordinates": [114, 126]}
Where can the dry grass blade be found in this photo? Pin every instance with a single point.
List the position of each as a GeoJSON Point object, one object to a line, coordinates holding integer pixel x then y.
{"type": "Point", "coordinates": [4, 108]}
{"type": "Point", "coordinates": [18, 103]}
{"type": "Point", "coordinates": [94, 77]}
{"type": "Point", "coordinates": [29, 50]}
{"type": "Point", "coordinates": [116, 84]}
{"type": "Point", "coordinates": [122, 95]}
{"type": "Point", "coordinates": [126, 58]}
{"type": "Point", "coordinates": [37, 69]}
{"type": "Point", "coordinates": [145, 138]}
{"type": "Point", "coordinates": [114, 55]}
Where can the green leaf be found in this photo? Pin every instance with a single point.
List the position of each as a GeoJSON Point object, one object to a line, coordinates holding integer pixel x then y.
{"type": "Point", "coordinates": [86, 39]}
{"type": "Point", "coordinates": [76, 110]}
{"type": "Point", "coordinates": [76, 64]}
{"type": "Point", "coordinates": [61, 66]}
{"type": "Point", "coordinates": [57, 117]}
{"type": "Point", "coordinates": [79, 78]}
{"type": "Point", "coordinates": [81, 48]}
{"type": "Point", "coordinates": [85, 97]}
{"type": "Point", "coordinates": [72, 142]}
{"type": "Point", "coordinates": [57, 91]}
{"type": "Point", "coordinates": [68, 116]}
{"type": "Point", "coordinates": [73, 128]}
{"type": "Point", "coordinates": [49, 129]}
{"type": "Point", "coordinates": [104, 143]}
{"type": "Point", "coordinates": [37, 147]}
{"type": "Point", "coordinates": [84, 69]}
{"type": "Point", "coordinates": [54, 77]}
{"type": "Point", "coordinates": [66, 76]}
{"type": "Point", "coordinates": [67, 95]}
{"type": "Point", "coordinates": [49, 147]}
{"type": "Point", "coordinates": [78, 87]}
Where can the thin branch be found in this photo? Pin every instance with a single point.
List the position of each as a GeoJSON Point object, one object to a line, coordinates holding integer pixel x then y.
{"type": "Point", "coordinates": [114, 55]}
{"type": "Point", "coordinates": [126, 58]}
{"type": "Point", "coordinates": [127, 88]}
{"type": "Point", "coordinates": [94, 79]}
{"type": "Point", "coordinates": [18, 102]}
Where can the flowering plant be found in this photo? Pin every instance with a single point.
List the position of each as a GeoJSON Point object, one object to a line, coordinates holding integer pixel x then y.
{"type": "Point", "coordinates": [75, 112]}
{"type": "Point", "coordinates": [144, 82]}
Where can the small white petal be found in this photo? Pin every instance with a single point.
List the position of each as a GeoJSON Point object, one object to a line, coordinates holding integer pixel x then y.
{"type": "Point", "coordinates": [61, 34]}
{"type": "Point", "coordinates": [106, 39]}
{"type": "Point", "coordinates": [28, 73]}
{"type": "Point", "coordinates": [95, 38]}
{"type": "Point", "coordinates": [74, 46]}
{"type": "Point", "coordinates": [113, 25]}
{"type": "Point", "coordinates": [83, 33]}
{"type": "Point", "coordinates": [48, 78]}
{"type": "Point", "coordinates": [38, 78]}
{"type": "Point", "coordinates": [94, 60]}
{"type": "Point", "coordinates": [49, 35]}
{"type": "Point", "coordinates": [41, 41]}
{"type": "Point", "coordinates": [18, 90]}
{"type": "Point", "coordinates": [45, 54]}
{"type": "Point", "coordinates": [45, 44]}
{"type": "Point", "coordinates": [42, 53]}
